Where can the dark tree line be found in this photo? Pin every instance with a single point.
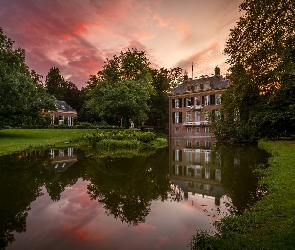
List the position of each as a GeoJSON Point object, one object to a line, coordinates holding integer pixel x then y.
{"type": "Point", "coordinates": [261, 49]}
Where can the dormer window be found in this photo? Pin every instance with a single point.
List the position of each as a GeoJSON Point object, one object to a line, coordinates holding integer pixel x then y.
{"type": "Point", "coordinates": [207, 85]}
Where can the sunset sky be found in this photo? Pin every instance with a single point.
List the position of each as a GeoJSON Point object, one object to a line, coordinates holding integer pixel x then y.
{"type": "Point", "coordinates": [78, 35]}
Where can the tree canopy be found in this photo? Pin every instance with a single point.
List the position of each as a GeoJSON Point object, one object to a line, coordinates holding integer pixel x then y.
{"type": "Point", "coordinates": [261, 50]}
{"type": "Point", "coordinates": [21, 97]}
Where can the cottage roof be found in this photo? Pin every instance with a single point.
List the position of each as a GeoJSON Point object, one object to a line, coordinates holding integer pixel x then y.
{"type": "Point", "coordinates": [62, 105]}
{"type": "Point", "coordinates": [214, 82]}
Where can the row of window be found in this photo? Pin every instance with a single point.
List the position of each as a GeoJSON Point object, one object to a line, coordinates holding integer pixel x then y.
{"type": "Point", "coordinates": [198, 100]}
{"type": "Point", "coordinates": [197, 171]}
{"type": "Point", "coordinates": [196, 129]}
{"type": "Point", "coordinates": [177, 116]}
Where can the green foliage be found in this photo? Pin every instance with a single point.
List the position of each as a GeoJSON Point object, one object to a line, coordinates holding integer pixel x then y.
{"type": "Point", "coordinates": [21, 96]}
{"type": "Point", "coordinates": [261, 50]}
{"type": "Point", "coordinates": [125, 99]}
{"type": "Point", "coordinates": [122, 135]}
{"type": "Point", "coordinates": [56, 84]}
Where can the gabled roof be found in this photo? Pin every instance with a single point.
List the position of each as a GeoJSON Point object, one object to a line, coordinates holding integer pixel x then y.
{"type": "Point", "coordinates": [62, 105]}
{"type": "Point", "coordinates": [216, 82]}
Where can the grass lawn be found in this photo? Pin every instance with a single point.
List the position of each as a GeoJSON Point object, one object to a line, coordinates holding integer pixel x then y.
{"type": "Point", "coordinates": [270, 224]}
{"type": "Point", "coordinates": [15, 140]}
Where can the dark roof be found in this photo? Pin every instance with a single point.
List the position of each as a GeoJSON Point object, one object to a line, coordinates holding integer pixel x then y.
{"type": "Point", "coordinates": [216, 82]}
{"type": "Point", "coordinates": [62, 105]}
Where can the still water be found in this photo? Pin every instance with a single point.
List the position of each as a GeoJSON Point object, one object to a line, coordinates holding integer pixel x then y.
{"type": "Point", "coordinates": [83, 198]}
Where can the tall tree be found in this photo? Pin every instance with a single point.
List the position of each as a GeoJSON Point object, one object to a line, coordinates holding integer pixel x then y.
{"type": "Point", "coordinates": [122, 88]}
{"type": "Point", "coordinates": [261, 50]}
{"type": "Point", "coordinates": [56, 84]}
{"type": "Point", "coordinates": [21, 99]}
{"type": "Point", "coordinates": [72, 95]}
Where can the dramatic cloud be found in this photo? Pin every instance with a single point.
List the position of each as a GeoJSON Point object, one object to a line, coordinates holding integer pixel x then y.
{"type": "Point", "coordinates": [77, 36]}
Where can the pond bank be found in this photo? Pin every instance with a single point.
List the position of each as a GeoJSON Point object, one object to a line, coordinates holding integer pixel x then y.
{"type": "Point", "coordinates": [270, 224]}
{"type": "Point", "coordinates": [16, 140]}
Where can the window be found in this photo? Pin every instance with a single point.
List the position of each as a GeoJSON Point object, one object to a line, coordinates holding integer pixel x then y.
{"type": "Point", "coordinates": [52, 120]}
{"type": "Point", "coordinates": [188, 116]}
{"type": "Point", "coordinates": [207, 100]}
{"type": "Point", "coordinates": [188, 143]}
{"type": "Point", "coordinates": [197, 129]}
{"type": "Point", "coordinates": [177, 117]}
{"type": "Point", "coordinates": [207, 176]}
{"type": "Point", "coordinates": [198, 144]}
{"type": "Point", "coordinates": [189, 157]}
{"type": "Point", "coordinates": [198, 157]}
{"type": "Point", "coordinates": [177, 155]}
{"type": "Point", "coordinates": [218, 99]}
{"type": "Point", "coordinates": [188, 130]}
{"type": "Point", "coordinates": [176, 142]}
{"type": "Point", "coordinates": [61, 153]}
{"type": "Point", "coordinates": [217, 175]}
{"type": "Point", "coordinates": [188, 102]}
{"type": "Point", "coordinates": [207, 130]}
{"type": "Point", "coordinates": [70, 151]}
{"type": "Point", "coordinates": [198, 116]}
{"type": "Point", "coordinates": [207, 156]}
{"type": "Point", "coordinates": [198, 100]}
{"type": "Point", "coordinates": [207, 144]}
{"type": "Point", "coordinates": [207, 85]}
{"type": "Point", "coordinates": [176, 169]}
{"type": "Point", "coordinates": [176, 103]}
{"type": "Point", "coordinates": [61, 119]}
{"type": "Point", "coordinates": [177, 130]}
{"type": "Point", "coordinates": [70, 120]}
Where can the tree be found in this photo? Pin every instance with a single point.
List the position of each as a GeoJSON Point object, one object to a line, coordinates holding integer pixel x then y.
{"type": "Point", "coordinates": [126, 99]}
{"type": "Point", "coordinates": [56, 84]}
{"type": "Point", "coordinates": [131, 64]}
{"type": "Point", "coordinates": [72, 95]}
{"type": "Point", "coordinates": [261, 50]}
{"type": "Point", "coordinates": [122, 89]}
{"type": "Point", "coordinates": [158, 103]}
{"type": "Point", "coordinates": [21, 99]}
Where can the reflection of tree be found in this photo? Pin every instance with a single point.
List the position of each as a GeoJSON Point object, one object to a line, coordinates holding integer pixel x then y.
{"type": "Point", "coordinates": [19, 186]}
{"type": "Point", "coordinates": [21, 180]}
{"type": "Point", "coordinates": [126, 186]}
{"type": "Point", "coordinates": [237, 165]}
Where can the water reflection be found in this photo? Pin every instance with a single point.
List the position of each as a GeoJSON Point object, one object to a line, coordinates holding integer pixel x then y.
{"type": "Point", "coordinates": [190, 174]}
{"type": "Point", "coordinates": [197, 166]}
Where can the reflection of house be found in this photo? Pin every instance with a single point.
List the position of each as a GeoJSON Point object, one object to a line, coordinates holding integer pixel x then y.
{"type": "Point", "coordinates": [62, 159]}
{"type": "Point", "coordinates": [193, 168]}
{"type": "Point", "coordinates": [192, 103]}
{"type": "Point", "coordinates": [64, 113]}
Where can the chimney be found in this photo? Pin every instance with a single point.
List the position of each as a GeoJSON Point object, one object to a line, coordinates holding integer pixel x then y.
{"type": "Point", "coordinates": [217, 71]}
{"type": "Point", "coordinates": [185, 77]}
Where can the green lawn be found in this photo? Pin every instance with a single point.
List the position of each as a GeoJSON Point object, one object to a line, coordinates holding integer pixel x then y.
{"type": "Point", "coordinates": [270, 224]}
{"type": "Point", "coordinates": [15, 140]}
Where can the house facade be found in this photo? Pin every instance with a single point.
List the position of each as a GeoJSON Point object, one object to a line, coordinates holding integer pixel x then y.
{"type": "Point", "coordinates": [64, 114]}
{"type": "Point", "coordinates": [192, 102]}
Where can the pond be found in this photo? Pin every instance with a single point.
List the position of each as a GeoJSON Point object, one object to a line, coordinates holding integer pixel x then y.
{"type": "Point", "coordinates": [83, 198]}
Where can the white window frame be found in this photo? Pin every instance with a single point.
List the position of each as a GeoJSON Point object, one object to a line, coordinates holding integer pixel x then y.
{"type": "Point", "coordinates": [176, 117]}
{"type": "Point", "coordinates": [217, 99]}
{"type": "Point", "coordinates": [207, 100]}
{"type": "Point", "coordinates": [189, 116]}
{"type": "Point", "coordinates": [198, 116]}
